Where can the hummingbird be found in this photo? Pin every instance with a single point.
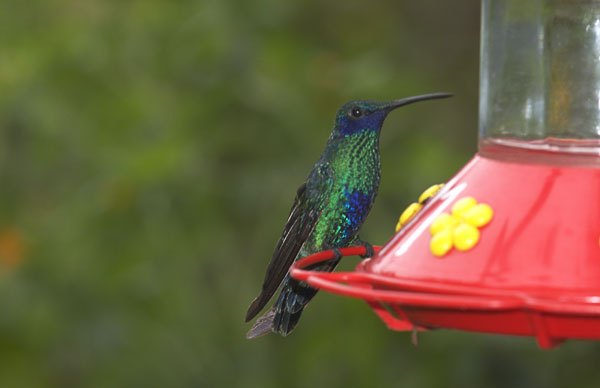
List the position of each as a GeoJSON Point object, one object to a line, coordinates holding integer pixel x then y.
{"type": "Point", "coordinates": [329, 210]}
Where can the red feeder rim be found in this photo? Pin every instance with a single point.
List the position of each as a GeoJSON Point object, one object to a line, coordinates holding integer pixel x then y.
{"type": "Point", "coordinates": [534, 272]}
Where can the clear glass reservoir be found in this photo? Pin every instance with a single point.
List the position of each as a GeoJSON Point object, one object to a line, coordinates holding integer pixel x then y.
{"type": "Point", "coordinates": [540, 81]}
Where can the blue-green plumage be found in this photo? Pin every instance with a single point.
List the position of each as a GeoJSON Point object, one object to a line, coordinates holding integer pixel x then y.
{"type": "Point", "coordinates": [329, 209]}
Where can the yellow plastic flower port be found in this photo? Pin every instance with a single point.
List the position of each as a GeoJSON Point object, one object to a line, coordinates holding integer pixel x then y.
{"type": "Point", "coordinates": [444, 221]}
{"type": "Point", "coordinates": [408, 214]}
{"type": "Point", "coordinates": [459, 229]}
{"type": "Point", "coordinates": [479, 215]}
{"type": "Point", "coordinates": [414, 207]}
{"type": "Point", "coordinates": [429, 192]}
{"type": "Point", "coordinates": [463, 205]}
{"type": "Point", "coordinates": [465, 236]}
{"type": "Point", "coordinates": [441, 243]}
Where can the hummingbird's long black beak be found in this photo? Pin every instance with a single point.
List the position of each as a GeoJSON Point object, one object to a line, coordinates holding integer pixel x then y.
{"type": "Point", "coordinates": [409, 100]}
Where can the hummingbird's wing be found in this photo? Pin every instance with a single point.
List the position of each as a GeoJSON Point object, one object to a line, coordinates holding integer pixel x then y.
{"type": "Point", "coordinates": [311, 197]}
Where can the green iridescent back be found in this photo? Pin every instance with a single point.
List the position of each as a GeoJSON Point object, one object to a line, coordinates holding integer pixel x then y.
{"type": "Point", "coordinates": [355, 166]}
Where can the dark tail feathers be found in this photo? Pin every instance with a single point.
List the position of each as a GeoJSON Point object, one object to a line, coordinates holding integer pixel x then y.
{"type": "Point", "coordinates": [283, 317]}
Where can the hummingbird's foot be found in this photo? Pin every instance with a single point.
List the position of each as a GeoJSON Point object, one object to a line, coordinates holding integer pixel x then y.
{"type": "Point", "coordinates": [337, 254]}
{"type": "Point", "coordinates": [370, 252]}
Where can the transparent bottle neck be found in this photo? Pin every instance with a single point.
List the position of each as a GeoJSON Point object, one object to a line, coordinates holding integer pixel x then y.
{"type": "Point", "coordinates": [540, 78]}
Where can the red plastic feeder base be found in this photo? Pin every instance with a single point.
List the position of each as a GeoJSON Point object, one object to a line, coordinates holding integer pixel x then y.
{"type": "Point", "coordinates": [534, 270]}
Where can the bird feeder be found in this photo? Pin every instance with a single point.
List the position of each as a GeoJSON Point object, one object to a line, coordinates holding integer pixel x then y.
{"type": "Point", "coordinates": [511, 244]}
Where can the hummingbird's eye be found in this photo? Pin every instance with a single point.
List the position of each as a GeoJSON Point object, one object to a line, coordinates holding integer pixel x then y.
{"type": "Point", "coordinates": [356, 112]}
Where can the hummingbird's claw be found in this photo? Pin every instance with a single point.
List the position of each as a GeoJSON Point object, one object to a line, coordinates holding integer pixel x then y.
{"type": "Point", "coordinates": [369, 251]}
{"type": "Point", "coordinates": [337, 254]}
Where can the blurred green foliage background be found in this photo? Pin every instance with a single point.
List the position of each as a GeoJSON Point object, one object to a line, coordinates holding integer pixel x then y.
{"type": "Point", "coordinates": [149, 154]}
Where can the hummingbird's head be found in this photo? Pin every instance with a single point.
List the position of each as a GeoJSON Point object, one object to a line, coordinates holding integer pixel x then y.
{"type": "Point", "coordinates": [363, 116]}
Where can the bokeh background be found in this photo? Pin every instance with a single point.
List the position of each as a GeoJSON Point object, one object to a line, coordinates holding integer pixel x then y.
{"type": "Point", "coordinates": [149, 154]}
